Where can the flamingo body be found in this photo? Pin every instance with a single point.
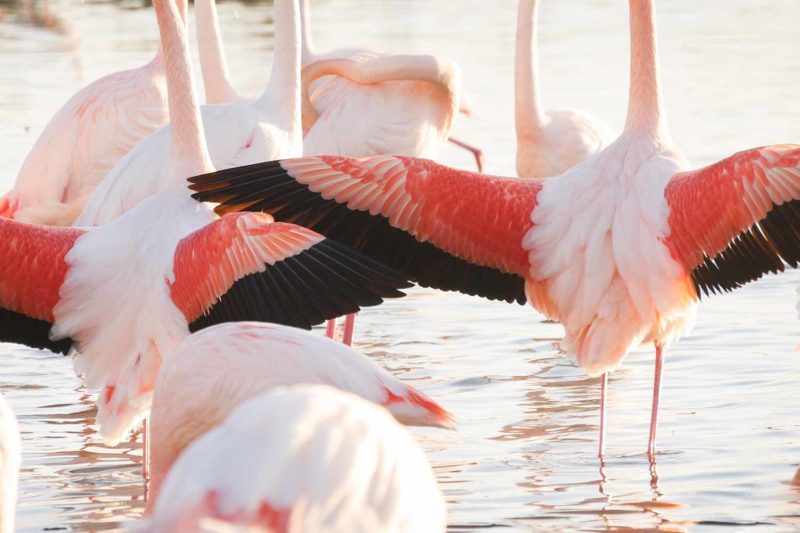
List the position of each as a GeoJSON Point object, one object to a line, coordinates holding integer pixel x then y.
{"type": "Point", "coordinates": [548, 142]}
{"type": "Point", "coordinates": [403, 117]}
{"type": "Point", "coordinates": [10, 459]}
{"type": "Point", "coordinates": [245, 473]}
{"type": "Point", "coordinates": [236, 134]}
{"type": "Point", "coordinates": [127, 292]}
{"type": "Point", "coordinates": [214, 370]}
{"type": "Point", "coordinates": [83, 141]}
{"type": "Point", "coordinates": [614, 248]}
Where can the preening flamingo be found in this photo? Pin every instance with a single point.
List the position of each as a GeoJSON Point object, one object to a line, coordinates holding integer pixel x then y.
{"type": "Point", "coordinates": [618, 249]}
{"type": "Point", "coordinates": [10, 459]}
{"type": "Point", "coordinates": [359, 102]}
{"type": "Point", "coordinates": [302, 458]}
{"type": "Point", "coordinates": [216, 369]}
{"type": "Point", "coordinates": [84, 140]}
{"type": "Point", "coordinates": [127, 292]}
{"type": "Point", "coordinates": [548, 142]}
{"type": "Point", "coordinates": [236, 133]}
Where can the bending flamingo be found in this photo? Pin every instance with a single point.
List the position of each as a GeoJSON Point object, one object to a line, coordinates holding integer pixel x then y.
{"type": "Point", "coordinates": [214, 370]}
{"type": "Point", "coordinates": [618, 249]}
{"type": "Point", "coordinates": [127, 292]}
{"type": "Point", "coordinates": [9, 466]}
{"type": "Point", "coordinates": [364, 103]}
{"type": "Point", "coordinates": [236, 133]}
{"type": "Point", "coordinates": [302, 458]}
{"type": "Point", "coordinates": [84, 140]}
{"type": "Point", "coordinates": [548, 142]}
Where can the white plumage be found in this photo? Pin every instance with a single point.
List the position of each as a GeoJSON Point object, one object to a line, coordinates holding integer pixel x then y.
{"type": "Point", "coordinates": [236, 133]}
{"type": "Point", "coordinates": [303, 458]}
{"type": "Point", "coordinates": [214, 370]}
{"type": "Point", "coordinates": [84, 140]}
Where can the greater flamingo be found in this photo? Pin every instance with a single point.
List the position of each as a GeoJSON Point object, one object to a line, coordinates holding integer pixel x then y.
{"type": "Point", "coordinates": [302, 458]}
{"type": "Point", "coordinates": [84, 140]}
{"type": "Point", "coordinates": [548, 142]}
{"type": "Point", "coordinates": [236, 133]}
{"type": "Point", "coordinates": [618, 249]}
{"type": "Point", "coordinates": [10, 459]}
{"type": "Point", "coordinates": [212, 371]}
{"type": "Point", "coordinates": [359, 102]}
{"type": "Point", "coordinates": [127, 292]}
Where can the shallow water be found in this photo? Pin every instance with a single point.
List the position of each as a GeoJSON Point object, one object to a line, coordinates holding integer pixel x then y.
{"type": "Point", "coordinates": [524, 455]}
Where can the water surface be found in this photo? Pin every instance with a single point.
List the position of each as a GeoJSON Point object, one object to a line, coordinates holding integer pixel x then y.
{"type": "Point", "coordinates": [524, 455]}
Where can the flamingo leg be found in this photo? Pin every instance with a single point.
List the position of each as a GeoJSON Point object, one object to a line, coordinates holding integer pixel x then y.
{"type": "Point", "coordinates": [651, 443]}
{"type": "Point", "coordinates": [349, 326]}
{"type": "Point", "coordinates": [330, 329]}
{"type": "Point", "coordinates": [602, 446]}
{"type": "Point", "coordinates": [145, 453]}
{"type": "Point", "coordinates": [477, 153]}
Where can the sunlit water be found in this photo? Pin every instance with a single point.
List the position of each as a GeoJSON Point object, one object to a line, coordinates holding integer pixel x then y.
{"type": "Point", "coordinates": [524, 456]}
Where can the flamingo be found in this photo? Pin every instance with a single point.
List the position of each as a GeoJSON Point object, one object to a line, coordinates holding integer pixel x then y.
{"type": "Point", "coordinates": [370, 103]}
{"type": "Point", "coordinates": [619, 248]}
{"type": "Point", "coordinates": [236, 133]}
{"type": "Point", "coordinates": [359, 102]}
{"type": "Point", "coordinates": [9, 466]}
{"type": "Point", "coordinates": [302, 458]}
{"type": "Point", "coordinates": [214, 370]}
{"type": "Point", "coordinates": [84, 140]}
{"type": "Point", "coordinates": [127, 292]}
{"type": "Point", "coordinates": [548, 142]}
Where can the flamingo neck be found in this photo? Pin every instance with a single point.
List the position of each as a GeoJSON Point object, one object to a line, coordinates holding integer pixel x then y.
{"type": "Point", "coordinates": [216, 77]}
{"type": "Point", "coordinates": [528, 115]}
{"type": "Point", "coordinates": [282, 97]}
{"type": "Point", "coordinates": [306, 42]}
{"type": "Point", "coordinates": [645, 108]}
{"type": "Point", "coordinates": [189, 154]}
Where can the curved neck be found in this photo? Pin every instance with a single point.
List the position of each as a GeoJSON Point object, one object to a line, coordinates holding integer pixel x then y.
{"type": "Point", "coordinates": [189, 154]}
{"type": "Point", "coordinates": [282, 97]}
{"type": "Point", "coordinates": [645, 109]}
{"type": "Point", "coordinates": [528, 114]}
{"type": "Point", "coordinates": [306, 41]}
{"type": "Point", "coordinates": [441, 72]}
{"type": "Point", "coordinates": [216, 77]}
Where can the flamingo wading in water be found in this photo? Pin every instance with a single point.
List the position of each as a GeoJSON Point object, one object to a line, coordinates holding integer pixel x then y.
{"type": "Point", "coordinates": [302, 458]}
{"type": "Point", "coordinates": [126, 293]}
{"type": "Point", "coordinates": [236, 133]}
{"type": "Point", "coordinates": [84, 140]}
{"type": "Point", "coordinates": [214, 370]}
{"type": "Point", "coordinates": [619, 248]}
{"type": "Point", "coordinates": [548, 142]}
{"type": "Point", "coordinates": [10, 458]}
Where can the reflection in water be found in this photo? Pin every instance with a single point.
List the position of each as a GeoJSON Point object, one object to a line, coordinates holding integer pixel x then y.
{"type": "Point", "coordinates": [524, 456]}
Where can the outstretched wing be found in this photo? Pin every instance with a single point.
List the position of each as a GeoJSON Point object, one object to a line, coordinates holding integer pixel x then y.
{"type": "Point", "coordinates": [446, 228]}
{"type": "Point", "coordinates": [738, 219]}
{"type": "Point", "coordinates": [244, 266]}
{"type": "Point", "coordinates": [31, 273]}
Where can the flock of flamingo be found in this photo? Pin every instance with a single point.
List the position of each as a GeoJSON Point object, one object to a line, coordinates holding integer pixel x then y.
{"type": "Point", "coordinates": [181, 252]}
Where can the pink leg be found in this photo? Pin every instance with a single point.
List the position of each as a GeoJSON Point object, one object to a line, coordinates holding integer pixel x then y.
{"type": "Point", "coordinates": [602, 447]}
{"type": "Point", "coordinates": [477, 153]}
{"type": "Point", "coordinates": [330, 330]}
{"type": "Point", "coordinates": [651, 443]}
{"type": "Point", "coordinates": [145, 453]}
{"type": "Point", "coordinates": [349, 325]}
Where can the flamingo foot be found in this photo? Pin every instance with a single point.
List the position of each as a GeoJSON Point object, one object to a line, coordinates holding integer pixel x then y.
{"type": "Point", "coordinates": [349, 326]}
{"type": "Point", "coordinates": [477, 153]}
{"type": "Point", "coordinates": [651, 443]}
{"type": "Point", "coordinates": [602, 446]}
